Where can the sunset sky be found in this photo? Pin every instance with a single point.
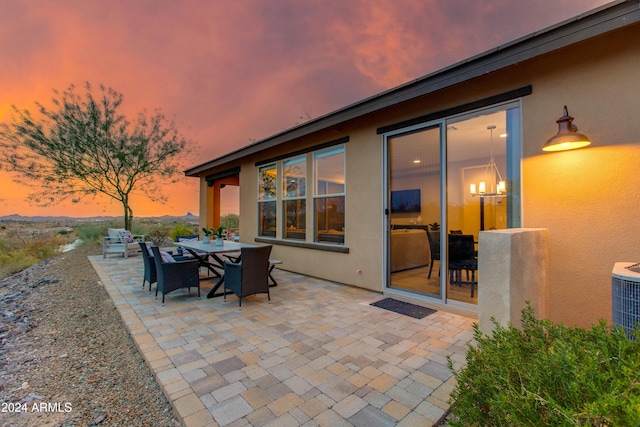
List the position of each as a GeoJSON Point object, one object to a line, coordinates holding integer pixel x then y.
{"type": "Point", "coordinates": [233, 71]}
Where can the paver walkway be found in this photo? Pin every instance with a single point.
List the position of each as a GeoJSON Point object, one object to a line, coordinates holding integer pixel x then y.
{"type": "Point", "coordinates": [317, 354]}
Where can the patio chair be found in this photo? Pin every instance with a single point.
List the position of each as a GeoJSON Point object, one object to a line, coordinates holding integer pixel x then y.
{"type": "Point", "coordinates": [462, 256]}
{"type": "Point", "coordinates": [120, 241]}
{"type": "Point", "coordinates": [434, 248]}
{"type": "Point", "coordinates": [250, 275]}
{"type": "Point", "coordinates": [188, 238]}
{"type": "Point", "coordinates": [150, 273]}
{"type": "Point", "coordinates": [175, 275]}
{"type": "Point", "coordinates": [202, 257]}
{"type": "Point", "coordinates": [234, 257]}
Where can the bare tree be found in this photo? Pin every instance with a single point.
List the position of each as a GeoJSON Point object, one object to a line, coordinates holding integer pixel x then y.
{"type": "Point", "coordinates": [85, 146]}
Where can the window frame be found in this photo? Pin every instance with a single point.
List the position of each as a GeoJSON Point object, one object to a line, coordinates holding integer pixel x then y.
{"type": "Point", "coordinates": [300, 199]}
{"type": "Point", "coordinates": [337, 239]}
{"type": "Point", "coordinates": [270, 199]}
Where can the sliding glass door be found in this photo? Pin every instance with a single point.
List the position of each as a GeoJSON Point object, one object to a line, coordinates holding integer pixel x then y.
{"type": "Point", "coordinates": [446, 183]}
{"type": "Point", "coordinates": [414, 210]}
{"type": "Point", "coordinates": [482, 190]}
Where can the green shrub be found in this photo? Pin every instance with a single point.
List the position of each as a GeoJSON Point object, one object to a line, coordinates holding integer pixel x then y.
{"type": "Point", "coordinates": [138, 229]}
{"type": "Point", "coordinates": [230, 221]}
{"type": "Point", "coordinates": [182, 229]}
{"type": "Point", "coordinates": [549, 374]}
{"type": "Point", "coordinates": [17, 254]}
{"type": "Point", "coordinates": [157, 235]}
{"type": "Point", "coordinates": [91, 233]}
{"type": "Point", "coordinates": [43, 248]}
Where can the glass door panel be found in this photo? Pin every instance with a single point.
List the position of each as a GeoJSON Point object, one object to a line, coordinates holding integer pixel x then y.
{"type": "Point", "coordinates": [414, 211]}
{"type": "Point", "coordinates": [480, 192]}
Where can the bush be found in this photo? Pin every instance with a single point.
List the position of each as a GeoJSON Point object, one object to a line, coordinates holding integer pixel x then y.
{"type": "Point", "coordinates": [182, 229]}
{"type": "Point", "coordinates": [230, 221]}
{"type": "Point", "coordinates": [158, 235]}
{"type": "Point", "coordinates": [17, 254]}
{"type": "Point", "coordinates": [549, 374]}
{"type": "Point", "coordinates": [91, 233]}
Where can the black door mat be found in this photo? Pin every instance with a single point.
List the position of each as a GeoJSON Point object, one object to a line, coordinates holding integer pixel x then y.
{"type": "Point", "coordinates": [401, 307]}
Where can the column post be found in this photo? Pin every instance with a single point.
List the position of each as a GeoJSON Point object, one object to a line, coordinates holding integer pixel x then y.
{"type": "Point", "coordinates": [513, 267]}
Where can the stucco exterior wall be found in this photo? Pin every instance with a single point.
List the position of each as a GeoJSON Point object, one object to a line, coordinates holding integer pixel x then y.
{"type": "Point", "coordinates": [362, 265]}
{"type": "Point", "coordinates": [587, 198]}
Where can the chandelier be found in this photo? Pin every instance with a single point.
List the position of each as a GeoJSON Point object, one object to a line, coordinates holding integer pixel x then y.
{"type": "Point", "coordinates": [492, 184]}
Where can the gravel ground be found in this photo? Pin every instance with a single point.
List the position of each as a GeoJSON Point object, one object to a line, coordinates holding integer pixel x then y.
{"type": "Point", "coordinates": [65, 357]}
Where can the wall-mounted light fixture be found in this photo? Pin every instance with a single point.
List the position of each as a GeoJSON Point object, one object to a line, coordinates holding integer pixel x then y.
{"type": "Point", "coordinates": [568, 137]}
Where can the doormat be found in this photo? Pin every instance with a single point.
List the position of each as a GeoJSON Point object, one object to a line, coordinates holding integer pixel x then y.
{"type": "Point", "coordinates": [401, 307]}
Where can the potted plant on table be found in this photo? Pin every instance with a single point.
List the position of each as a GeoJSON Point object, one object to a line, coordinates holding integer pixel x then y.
{"type": "Point", "coordinates": [212, 232]}
{"type": "Point", "coordinates": [208, 232]}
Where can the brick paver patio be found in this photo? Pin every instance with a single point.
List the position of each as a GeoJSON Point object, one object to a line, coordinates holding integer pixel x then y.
{"type": "Point", "coordinates": [317, 354]}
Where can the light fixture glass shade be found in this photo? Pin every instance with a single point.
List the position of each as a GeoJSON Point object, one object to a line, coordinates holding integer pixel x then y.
{"type": "Point", "coordinates": [492, 184]}
{"type": "Point", "coordinates": [568, 137]}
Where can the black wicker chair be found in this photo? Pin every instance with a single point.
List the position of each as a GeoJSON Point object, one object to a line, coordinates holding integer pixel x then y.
{"type": "Point", "coordinates": [188, 238]}
{"type": "Point", "coordinates": [201, 256]}
{"type": "Point", "coordinates": [175, 275]}
{"type": "Point", "coordinates": [150, 274]}
{"type": "Point", "coordinates": [249, 276]}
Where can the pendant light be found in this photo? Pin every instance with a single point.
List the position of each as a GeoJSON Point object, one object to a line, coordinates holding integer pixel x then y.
{"type": "Point", "coordinates": [492, 184]}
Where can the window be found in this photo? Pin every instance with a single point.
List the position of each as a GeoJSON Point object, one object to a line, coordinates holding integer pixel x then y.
{"type": "Point", "coordinates": [283, 184]}
{"type": "Point", "coordinates": [267, 176]}
{"type": "Point", "coordinates": [294, 204]}
{"type": "Point", "coordinates": [329, 195]}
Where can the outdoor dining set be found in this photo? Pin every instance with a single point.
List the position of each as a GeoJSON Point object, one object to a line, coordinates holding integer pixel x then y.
{"type": "Point", "coordinates": [247, 269]}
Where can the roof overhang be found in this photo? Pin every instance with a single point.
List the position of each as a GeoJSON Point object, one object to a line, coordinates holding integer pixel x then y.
{"type": "Point", "coordinates": [590, 24]}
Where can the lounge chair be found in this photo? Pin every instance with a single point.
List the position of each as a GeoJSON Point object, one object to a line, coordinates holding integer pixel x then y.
{"type": "Point", "coordinates": [120, 241]}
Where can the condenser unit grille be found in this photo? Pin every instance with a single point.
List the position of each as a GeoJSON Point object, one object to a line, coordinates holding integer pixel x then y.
{"type": "Point", "coordinates": [626, 296]}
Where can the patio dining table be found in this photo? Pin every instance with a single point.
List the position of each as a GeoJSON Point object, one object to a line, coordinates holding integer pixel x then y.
{"type": "Point", "coordinates": [202, 250]}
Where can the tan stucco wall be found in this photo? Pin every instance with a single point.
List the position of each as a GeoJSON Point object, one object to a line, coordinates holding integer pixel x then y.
{"type": "Point", "coordinates": [363, 221]}
{"type": "Point", "coordinates": [587, 199]}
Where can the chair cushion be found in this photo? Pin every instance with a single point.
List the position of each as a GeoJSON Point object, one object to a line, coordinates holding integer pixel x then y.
{"type": "Point", "coordinates": [166, 257]}
{"type": "Point", "coordinates": [126, 237]}
{"type": "Point", "coordinates": [114, 233]}
{"type": "Point", "coordinates": [187, 239]}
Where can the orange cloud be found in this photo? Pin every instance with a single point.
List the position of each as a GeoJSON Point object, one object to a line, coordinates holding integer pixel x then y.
{"type": "Point", "coordinates": [229, 71]}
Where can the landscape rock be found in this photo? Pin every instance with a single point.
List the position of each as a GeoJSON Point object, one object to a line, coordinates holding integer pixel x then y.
{"type": "Point", "coordinates": [63, 343]}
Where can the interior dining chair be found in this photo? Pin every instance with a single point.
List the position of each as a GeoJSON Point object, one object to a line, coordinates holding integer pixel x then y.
{"type": "Point", "coordinates": [462, 256]}
{"type": "Point", "coordinates": [434, 248]}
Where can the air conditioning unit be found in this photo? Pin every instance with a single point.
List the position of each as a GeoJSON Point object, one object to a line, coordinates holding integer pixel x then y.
{"type": "Point", "coordinates": [625, 292]}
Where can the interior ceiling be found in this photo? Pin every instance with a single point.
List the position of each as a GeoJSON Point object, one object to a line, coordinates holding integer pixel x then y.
{"type": "Point", "coordinates": [471, 139]}
{"type": "Point", "coordinates": [468, 139]}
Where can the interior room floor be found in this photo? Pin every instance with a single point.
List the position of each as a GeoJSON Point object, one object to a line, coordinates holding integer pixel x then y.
{"type": "Point", "coordinates": [416, 279]}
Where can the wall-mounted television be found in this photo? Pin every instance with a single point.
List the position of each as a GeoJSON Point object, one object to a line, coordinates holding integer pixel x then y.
{"type": "Point", "coordinates": [405, 201]}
